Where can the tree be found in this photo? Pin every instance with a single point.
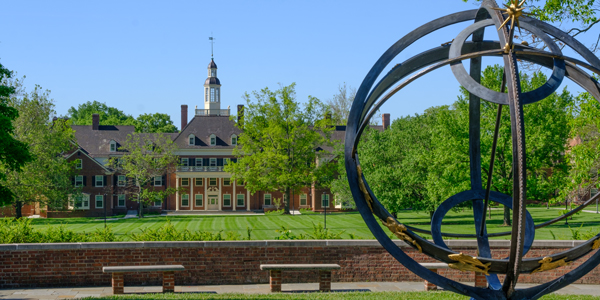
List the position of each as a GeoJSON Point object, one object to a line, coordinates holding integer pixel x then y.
{"type": "Point", "coordinates": [14, 154]}
{"type": "Point", "coordinates": [154, 123]}
{"type": "Point", "coordinates": [584, 155]}
{"type": "Point", "coordinates": [145, 157]}
{"type": "Point", "coordinates": [46, 178]}
{"type": "Point", "coordinates": [279, 147]}
{"type": "Point", "coordinates": [341, 103]}
{"type": "Point", "coordinates": [145, 123]}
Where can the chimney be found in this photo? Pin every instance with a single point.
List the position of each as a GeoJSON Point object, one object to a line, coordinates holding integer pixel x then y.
{"type": "Point", "coordinates": [184, 115]}
{"type": "Point", "coordinates": [95, 121]}
{"type": "Point", "coordinates": [240, 115]}
{"type": "Point", "coordinates": [385, 119]}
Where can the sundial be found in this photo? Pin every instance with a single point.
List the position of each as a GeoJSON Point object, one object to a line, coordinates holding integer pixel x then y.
{"type": "Point", "coordinates": [371, 95]}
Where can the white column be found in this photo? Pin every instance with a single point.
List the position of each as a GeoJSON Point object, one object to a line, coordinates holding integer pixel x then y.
{"type": "Point", "coordinates": [220, 186]}
{"type": "Point", "coordinates": [247, 200]}
{"type": "Point", "coordinates": [205, 183]}
{"type": "Point", "coordinates": [234, 196]}
{"type": "Point", "coordinates": [192, 197]}
{"type": "Point", "coordinates": [177, 194]}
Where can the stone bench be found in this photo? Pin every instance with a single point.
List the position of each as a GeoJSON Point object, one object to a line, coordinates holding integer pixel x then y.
{"type": "Point", "coordinates": [480, 280]}
{"type": "Point", "coordinates": [168, 275]}
{"type": "Point", "coordinates": [275, 277]}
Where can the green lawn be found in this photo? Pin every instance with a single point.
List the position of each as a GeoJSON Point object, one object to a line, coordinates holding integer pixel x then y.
{"type": "Point", "coordinates": [264, 226]}
{"type": "Point", "coordinates": [327, 296]}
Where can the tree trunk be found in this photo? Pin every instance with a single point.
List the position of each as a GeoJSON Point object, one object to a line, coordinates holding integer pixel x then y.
{"type": "Point", "coordinates": [18, 206]}
{"type": "Point", "coordinates": [506, 216]}
{"type": "Point", "coordinates": [287, 202]}
{"type": "Point", "coordinates": [431, 216]}
{"type": "Point", "coordinates": [140, 207]}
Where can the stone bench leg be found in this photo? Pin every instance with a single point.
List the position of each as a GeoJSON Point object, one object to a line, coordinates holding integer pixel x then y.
{"type": "Point", "coordinates": [275, 280]}
{"type": "Point", "coordinates": [480, 280]}
{"type": "Point", "coordinates": [117, 283]}
{"type": "Point", "coordinates": [430, 286]}
{"type": "Point", "coordinates": [325, 281]}
{"type": "Point", "coordinates": [168, 282]}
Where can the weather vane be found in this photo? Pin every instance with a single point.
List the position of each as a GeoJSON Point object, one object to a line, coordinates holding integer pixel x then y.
{"type": "Point", "coordinates": [372, 95]}
{"type": "Point", "coordinates": [212, 41]}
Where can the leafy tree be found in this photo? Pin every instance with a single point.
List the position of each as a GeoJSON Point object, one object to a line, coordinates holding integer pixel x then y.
{"type": "Point", "coordinates": [279, 148]}
{"type": "Point", "coordinates": [14, 154]}
{"type": "Point", "coordinates": [45, 179]}
{"type": "Point", "coordinates": [584, 157]}
{"type": "Point", "coordinates": [145, 123]}
{"type": "Point", "coordinates": [145, 157]}
{"type": "Point", "coordinates": [154, 123]}
{"type": "Point", "coordinates": [341, 103]}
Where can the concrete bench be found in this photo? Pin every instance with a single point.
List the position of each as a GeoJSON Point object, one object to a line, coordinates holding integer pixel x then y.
{"type": "Point", "coordinates": [168, 275]}
{"type": "Point", "coordinates": [480, 280]}
{"type": "Point", "coordinates": [324, 274]}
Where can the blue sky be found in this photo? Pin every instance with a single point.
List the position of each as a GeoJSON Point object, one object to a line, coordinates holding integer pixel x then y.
{"type": "Point", "coordinates": [151, 56]}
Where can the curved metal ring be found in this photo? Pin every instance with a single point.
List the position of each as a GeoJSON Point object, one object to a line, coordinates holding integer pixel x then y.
{"type": "Point", "coordinates": [554, 81]}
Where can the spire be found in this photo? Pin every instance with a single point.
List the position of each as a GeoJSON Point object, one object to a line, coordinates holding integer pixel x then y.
{"type": "Point", "coordinates": [212, 42]}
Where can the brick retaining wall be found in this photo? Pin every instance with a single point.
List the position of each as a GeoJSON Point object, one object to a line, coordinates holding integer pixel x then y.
{"type": "Point", "coordinates": [237, 262]}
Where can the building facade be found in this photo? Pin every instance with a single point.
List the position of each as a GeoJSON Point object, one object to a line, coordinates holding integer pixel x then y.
{"type": "Point", "coordinates": [205, 145]}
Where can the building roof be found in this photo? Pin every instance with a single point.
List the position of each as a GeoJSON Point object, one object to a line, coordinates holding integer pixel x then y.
{"type": "Point", "coordinates": [212, 80]}
{"type": "Point", "coordinates": [212, 64]}
{"type": "Point", "coordinates": [202, 127]}
{"type": "Point", "coordinates": [97, 142]}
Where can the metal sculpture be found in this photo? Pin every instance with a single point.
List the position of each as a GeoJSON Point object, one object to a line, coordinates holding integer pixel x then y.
{"type": "Point", "coordinates": [371, 96]}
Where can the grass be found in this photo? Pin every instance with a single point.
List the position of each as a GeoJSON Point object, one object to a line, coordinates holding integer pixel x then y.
{"type": "Point", "coordinates": [263, 227]}
{"type": "Point", "coordinates": [328, 296]}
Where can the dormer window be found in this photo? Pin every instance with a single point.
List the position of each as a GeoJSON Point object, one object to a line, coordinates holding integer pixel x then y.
{"type": "Point", "coordinates": [213, 73]}
{"type": "Point", "coordinates": [213, 140]}
{"type": "Point", "coordinates": [113, 146]}
{"type": "Point", "coordinates": [192, 140]}
{"type": "Point", "coordinates": [234, 140]}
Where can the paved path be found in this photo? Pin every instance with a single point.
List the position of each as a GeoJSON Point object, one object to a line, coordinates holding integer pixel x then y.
{"type": "Point", "coordinates": [67, 293]}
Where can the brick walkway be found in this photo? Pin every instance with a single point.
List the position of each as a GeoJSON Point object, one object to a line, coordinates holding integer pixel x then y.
{"type": "Point", "coordinates": [67, 293]}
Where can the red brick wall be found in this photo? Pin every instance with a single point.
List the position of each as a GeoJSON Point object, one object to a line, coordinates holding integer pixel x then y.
{"type": "Point", "coordinates": [209, 263]}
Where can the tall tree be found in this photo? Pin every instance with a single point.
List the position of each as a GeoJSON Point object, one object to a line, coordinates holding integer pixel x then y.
{"type": "Point", "coordinates": [14, 154]}
{"type": "Point", "coordinates": [341, 103]}
{"type": "Point", "coordinates": [146, 157]}
{"type": "Point", "coordinates": [145, 123]}
{"type": "Point", "coordinates": [279, 147]}
{"type": "Point", "coordinates": [46, 179]}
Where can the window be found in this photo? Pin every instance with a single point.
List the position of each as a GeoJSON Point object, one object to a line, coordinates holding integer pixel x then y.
{"type": "Point", "coordinates": [213, 73]}
{"type": "Point", "coordinates": [81, 202]}
{"type": "Point", "coordinates": [217, 99]}
{"type": "Point", "coordinates": [303, 199]}
{"type": "Point", "coordinates": [78, 164]}
{"type": "Point", "coordinates": [212, 182]}
{"type": "Point", "coordinates": [99, 201]}
{"type": "Point", "coordinates": [157, 201]}
{"type": "Point", "coordinates": [593, 192]}
{"type": "Point", "coordinates": [185, 181]}
{"type": "Point", "coordinates": [226, 161]}
{"type": "Point", "coordinates": [185, 200]}
{"type": "Point", "coordinates": [234, 139]}
{"type": "Point", "coordinates": [240, 182]}
{"type": "Point", "coordinates": [212, 94]}
{"type": "Point", "coordinates": [213, 140]}
{"type": "Point", "coordinates": [198, 181]}
{"type": "Point", "coordinates": [325, 200]}
{"type": "Point", "coordinates": [199, 199]}
{"type": "Point", "coordinates": [79, 180]}
{"type": "Point", "coordinates": [192, 140]}
{"type": "Point", "coordinates": [212, 162]}
{"type": "Point", "coordinates": [121, 200]}
{"type": "Point", "coordinates": [267, 198]}
{"type": "Point", "coordinates": [240, 200]}
{"type": "Point", "coordinates": [227, 181]}
{"type": "Point", "coordinates": [158, 181]}
{"type": "Point", "coordinates": [121, 181]}
{"type": "Point", "coordinates": [205, 94]}
{"type": "Point", "coordinates": [227, 200]}
{"type": "Point", "coordinates": [199, 162]}
{"type": "Point", "coordinates": [184, 162]}
{"type": "Point", "coordinates": [99, 181]}
{"type": "Point", "coordinates": [113, 146]}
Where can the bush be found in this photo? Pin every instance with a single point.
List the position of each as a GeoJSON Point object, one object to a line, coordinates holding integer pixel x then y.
{"type": "Point", "coordinates": [21, 231]}
{"type": "Point", "coordinates": [318, 233]}
{"type": "Point", "coordinates": [168, 232]}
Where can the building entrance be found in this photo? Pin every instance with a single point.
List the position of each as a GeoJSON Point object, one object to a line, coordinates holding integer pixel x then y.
{"type": "Point", "coordinates": [213, 202]}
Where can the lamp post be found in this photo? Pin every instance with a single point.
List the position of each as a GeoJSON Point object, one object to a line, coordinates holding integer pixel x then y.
{"type": "Point", "coordinates": [567, 210]}
{"type": "Point", "coordinates": [326, 213]}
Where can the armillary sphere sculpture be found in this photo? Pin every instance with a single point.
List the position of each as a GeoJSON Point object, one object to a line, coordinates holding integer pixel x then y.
{"type": "Point", "coordinates": [370, 97]}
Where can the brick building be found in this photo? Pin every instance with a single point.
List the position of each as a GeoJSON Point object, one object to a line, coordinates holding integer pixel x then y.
{"type": "Point", "coordinates": [205, 145]}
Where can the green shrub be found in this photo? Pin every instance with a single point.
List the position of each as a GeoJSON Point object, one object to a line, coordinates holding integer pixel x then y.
{"type": "Point", "coordinates": [21, 231]}
{"type": "Point", "coordinates": [168, 232]}
{"type": "Point", "coordinates": [274, 212]}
